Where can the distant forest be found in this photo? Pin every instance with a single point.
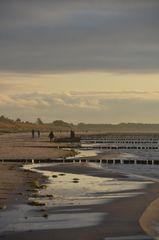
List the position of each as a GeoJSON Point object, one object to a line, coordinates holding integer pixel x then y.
{"type": "Point", "coordinates": [9, 125]}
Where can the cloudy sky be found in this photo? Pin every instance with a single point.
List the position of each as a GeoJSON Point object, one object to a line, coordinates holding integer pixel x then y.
{"type": "Point", "coordinates": [80, 60]}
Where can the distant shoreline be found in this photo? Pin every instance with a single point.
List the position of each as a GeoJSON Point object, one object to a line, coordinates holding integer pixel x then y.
{"type": "Point", "coordinates": [8, 125]}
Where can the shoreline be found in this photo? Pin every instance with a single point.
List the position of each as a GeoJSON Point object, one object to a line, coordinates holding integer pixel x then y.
{"type": "Point", "coordinates": [150, 216]}
{"type": "Point", "coordinates": [131, 216]}
{"type": "Point", "coordinates": [116, 225]}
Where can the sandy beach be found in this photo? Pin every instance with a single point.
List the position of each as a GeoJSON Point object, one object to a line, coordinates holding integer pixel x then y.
{"type": "Point", "coordinates": [127, 212]}
{"type": "Point", "coordinates": [23, 146]}
{"type": "Point", "coordinates": [11, 182]}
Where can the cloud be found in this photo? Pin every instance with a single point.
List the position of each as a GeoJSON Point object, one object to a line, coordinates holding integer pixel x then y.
{"type": "Point", "coordinates": [58, 36]}
{"type": "Point", "coordinates": [76, 99]}
{"type": "Point", "coordinates": [110, 107]}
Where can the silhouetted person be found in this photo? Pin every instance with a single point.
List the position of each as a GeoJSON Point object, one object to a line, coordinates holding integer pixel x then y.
{"type": "Point", "coordinates": [38, 133]}
{"type": "Point", "coordinates": [72, 134]}
{"type": "Point", "coordinates": [51, 136]}
{"type": "Point", "coordinates": [33, 133]}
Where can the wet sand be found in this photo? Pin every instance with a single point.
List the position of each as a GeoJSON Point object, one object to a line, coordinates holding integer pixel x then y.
{"type": "Point", "coordinates": [14, 183]}
{"type": "Point", "coordinates": [83, 168]}
{"type": "Point", "coordinates": [121, 216]}
{"type": "Point", "coordinates": [11, 181]}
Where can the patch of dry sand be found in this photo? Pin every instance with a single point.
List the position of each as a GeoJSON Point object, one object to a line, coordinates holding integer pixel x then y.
{"type": "Point", "coordinates": [22, 146]}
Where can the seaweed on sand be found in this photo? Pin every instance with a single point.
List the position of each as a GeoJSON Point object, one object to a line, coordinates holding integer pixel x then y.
{"type": "Point", "coordinates": [35, 184]}
{"type": "Point", "coordinates": [54, 176]}
{"type": "Point", "coordinates": [36, 203]}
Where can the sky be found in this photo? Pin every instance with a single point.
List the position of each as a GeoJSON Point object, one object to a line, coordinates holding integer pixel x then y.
{"type": "Point", "coordinates": [80, 60]}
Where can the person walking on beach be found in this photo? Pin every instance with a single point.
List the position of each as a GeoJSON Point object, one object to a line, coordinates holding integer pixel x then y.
{"type": "Point", "coordinates": [51, 136]}
{"type": "Point", "coordinates": [33, 133]}
{"type": "Point", "coordinates": [72, 134]}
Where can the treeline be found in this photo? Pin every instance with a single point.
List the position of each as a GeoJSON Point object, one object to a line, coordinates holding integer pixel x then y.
{"type": "Point", "coordinates": [10, 125]}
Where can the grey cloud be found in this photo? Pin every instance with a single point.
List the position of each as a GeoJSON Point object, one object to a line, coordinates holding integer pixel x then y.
{"type": "Point", "coordinates": [55, 36]}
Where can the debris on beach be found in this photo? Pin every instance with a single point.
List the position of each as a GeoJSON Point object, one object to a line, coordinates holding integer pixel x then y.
{"type": "Point", "coordinates": [75, 179]}
{"type": "Point", "coordinates": [54, 176]}
{"type": "Point", "coordinates": [36, 184]}
{"type": "Point", "coordinates": [45, 215]}
{"type": "Point", "coordinates": [62, 174]}
{"type": "Point", "coordinates": [50, 196]}
{"type": "Point", "coordinates": [36, 203]}
{"type": "Point", "coordinates": [32, 190]}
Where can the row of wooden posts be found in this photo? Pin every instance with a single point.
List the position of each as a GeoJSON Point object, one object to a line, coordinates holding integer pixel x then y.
{"type": "Point", "coordinates": [83, 160]}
